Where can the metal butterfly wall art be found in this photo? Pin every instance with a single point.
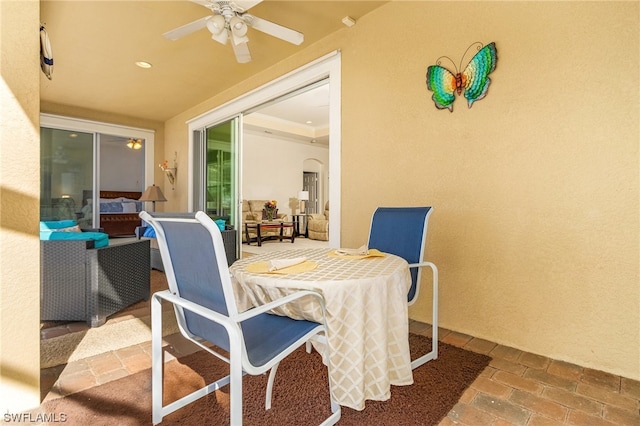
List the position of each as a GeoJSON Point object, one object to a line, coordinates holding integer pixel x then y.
{"type": "Point", "coordinates": [474, 79]}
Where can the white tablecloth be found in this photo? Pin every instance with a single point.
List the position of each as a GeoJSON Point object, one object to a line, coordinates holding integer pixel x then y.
{"type": "Point", "coordinates": [367, 318]}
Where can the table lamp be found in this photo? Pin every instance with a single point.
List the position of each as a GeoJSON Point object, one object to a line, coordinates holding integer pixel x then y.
{"type": "Point", "coordinates": [303, 196]}
{"type": "Point", "coordinates": [153, 194]}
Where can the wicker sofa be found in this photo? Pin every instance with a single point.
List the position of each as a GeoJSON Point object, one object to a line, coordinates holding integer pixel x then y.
{"type": "Point", "coordinates": [81, 283]}
{"type": "Point", "coordinates": [252, 212]}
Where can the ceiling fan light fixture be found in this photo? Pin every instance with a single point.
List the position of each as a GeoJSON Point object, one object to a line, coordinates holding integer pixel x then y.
{"type": "Point", "coordinates": [238, 26]}
{"type": "Point", "coordinates": [134, 143]}
{"type": "Point", "coordinates": [216, 24]}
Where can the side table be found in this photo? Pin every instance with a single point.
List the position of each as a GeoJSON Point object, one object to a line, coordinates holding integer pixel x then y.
{"type": "Point", "coordinates": [300, 219]}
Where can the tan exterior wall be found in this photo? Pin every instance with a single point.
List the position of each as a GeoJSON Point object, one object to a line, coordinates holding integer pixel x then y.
{"type": "Point", "coordinates": [535, 189]}
{"type": "Point", "coordinates": [19, 206]}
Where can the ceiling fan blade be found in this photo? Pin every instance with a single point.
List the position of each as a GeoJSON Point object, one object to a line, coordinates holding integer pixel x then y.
{"type": "Point", "coordinates": [186, 29]}
{"type": "Point", "coordinates": [205, 3]}
{"type": "Point", "coordinates": [245, 4]}
{"type": "Point", "coordinates": [239, 6]}
{"type": "Point", "coordinates": [274, 29]}
{"type": "Point", "coordinates": [242, 52]}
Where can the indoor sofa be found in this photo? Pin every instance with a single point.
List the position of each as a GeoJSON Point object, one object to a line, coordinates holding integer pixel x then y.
{"type": "Point", "coordinates": [253, 212]}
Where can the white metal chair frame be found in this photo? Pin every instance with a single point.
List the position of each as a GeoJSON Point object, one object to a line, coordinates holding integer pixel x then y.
{"type": "Point", "coordinates": [238, 359]}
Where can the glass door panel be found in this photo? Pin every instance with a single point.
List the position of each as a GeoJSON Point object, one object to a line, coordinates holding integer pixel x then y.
{"type": "Point", "coordinates": [66, 169]}
{"type": "Point", "coordinates": [220, 172]}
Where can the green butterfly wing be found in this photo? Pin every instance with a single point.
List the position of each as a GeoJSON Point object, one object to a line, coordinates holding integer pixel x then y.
{"type": "Point", "coordinates": [442, 83]}
{"type": "Point", "coordinates": [475, 77]}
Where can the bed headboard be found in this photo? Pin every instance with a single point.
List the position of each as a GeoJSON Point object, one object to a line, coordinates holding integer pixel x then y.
{"type": "Point", "coordinates": [132, 195]}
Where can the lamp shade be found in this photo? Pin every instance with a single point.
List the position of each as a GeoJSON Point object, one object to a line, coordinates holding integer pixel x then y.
{"type": "Point", "coordinates": [152, 193]}
{"type": "Point", "coordinates": [303, 195]}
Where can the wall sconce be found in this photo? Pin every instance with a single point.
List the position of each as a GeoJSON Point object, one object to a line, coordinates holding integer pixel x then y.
{"type": "Point", "coordinates": [171, 172]}
{"type": "Point", "coordinates": [303, 196]}
{"type": "Point", "coordinates": [134, 143]}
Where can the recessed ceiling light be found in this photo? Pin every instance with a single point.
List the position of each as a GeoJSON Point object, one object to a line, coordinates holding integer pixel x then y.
{"type": "Point", "coordinates": [143, 64]}
{"type": "Point", "coordinates": [73, 135]}
{"type": "Point", "coordinates": [309, 122]}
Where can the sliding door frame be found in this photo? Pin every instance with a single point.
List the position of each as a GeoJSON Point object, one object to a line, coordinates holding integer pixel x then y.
{"type": "Point", "coordinates": [325, 67]}
{"type": "Point", "coordinates": [97, 128]}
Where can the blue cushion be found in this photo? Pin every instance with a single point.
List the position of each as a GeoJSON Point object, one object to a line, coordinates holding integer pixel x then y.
{"type": "Point", "coordinates": [99, 239]}
{"type": "Point", "coordinates": [57, 224]}
{"type": "Point", "coordinates": [220, 224]}
{"type": "Point", "coordinates": [149, 232]}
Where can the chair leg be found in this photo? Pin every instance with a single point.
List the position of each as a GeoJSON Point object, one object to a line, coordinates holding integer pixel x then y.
{"type": "Point", "coordinates": [235, 390]}
{"type": "Point", "coordinates": [433, 354]}
{"type": "Point", "coordinates": [156, 360]}
{"type": "Point", "coordinates": [272, 377]}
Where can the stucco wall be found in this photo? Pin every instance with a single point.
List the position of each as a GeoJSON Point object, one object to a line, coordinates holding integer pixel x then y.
{"type": "Point", "coordinates": [535, 227]}
{"type": "Point", "coordinates": [19, 207]}
{"type": "Point", "coordinates": [535, 189]}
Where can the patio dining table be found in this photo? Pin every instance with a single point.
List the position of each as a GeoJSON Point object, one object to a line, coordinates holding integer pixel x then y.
{"type": "Point", "coordinates": [366, 315]}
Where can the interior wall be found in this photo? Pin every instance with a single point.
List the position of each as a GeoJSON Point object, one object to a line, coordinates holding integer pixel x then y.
{"type": "Point", "coordinates": [19, 206]}
{"type": "Point", "coordinates": [272, 167]}
{"type": "Point", "coordinates": [121, 168]}
{"type": "Point", "coordinates": [535, 189]}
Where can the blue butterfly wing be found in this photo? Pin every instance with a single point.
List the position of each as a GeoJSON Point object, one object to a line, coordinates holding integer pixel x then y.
{"type": "Point", "coordinates": [442, 83]}
{"type": "Point", "coordinates": [475, 77]}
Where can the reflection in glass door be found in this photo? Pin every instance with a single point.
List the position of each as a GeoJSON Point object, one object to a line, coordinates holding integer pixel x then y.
{"type": "Point", "coordinates": [66, 168]}
{"type": "Point", "coordinates": [218, 163]}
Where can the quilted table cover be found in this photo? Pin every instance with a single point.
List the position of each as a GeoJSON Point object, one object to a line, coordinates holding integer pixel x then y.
{"type": "Point", "coordinates": [367, 316]}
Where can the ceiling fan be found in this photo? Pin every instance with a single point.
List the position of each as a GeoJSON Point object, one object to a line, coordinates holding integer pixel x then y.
{"type": "Point", "coordinates": [230, 20]}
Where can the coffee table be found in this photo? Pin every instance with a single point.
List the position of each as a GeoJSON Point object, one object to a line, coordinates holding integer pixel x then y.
{"type": "Point", "coordinates": [261, 226]}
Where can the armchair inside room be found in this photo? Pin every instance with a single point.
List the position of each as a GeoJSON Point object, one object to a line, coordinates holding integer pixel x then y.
{"type": "Point", "coordinates": [318, 225]}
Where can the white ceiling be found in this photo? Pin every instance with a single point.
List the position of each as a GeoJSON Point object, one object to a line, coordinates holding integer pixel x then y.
{"type": "Point", "coordinates": [303, 117]}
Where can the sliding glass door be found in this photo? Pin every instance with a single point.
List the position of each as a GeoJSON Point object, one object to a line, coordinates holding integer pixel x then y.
{"type": "Point", "coordinates": [216, 171]}
{"type": "Point", "coordinates": [80, 158]}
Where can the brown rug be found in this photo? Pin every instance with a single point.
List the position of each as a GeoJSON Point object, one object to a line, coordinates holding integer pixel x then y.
{"type": "Point", "coordinates": [300, 395]}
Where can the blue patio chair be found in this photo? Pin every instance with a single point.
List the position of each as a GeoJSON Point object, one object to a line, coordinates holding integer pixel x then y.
{"type": "Point", "coordinates": [403, 231]}
{"type": "Point", "coordinates": [202, 294]}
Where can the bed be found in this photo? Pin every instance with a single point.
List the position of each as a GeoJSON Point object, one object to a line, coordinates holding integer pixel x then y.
{"type": "Point", "coordinates": [118, 211]}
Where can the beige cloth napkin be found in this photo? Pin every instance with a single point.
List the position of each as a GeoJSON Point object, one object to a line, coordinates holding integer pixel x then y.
{"type": "Point", "coordinates": [360, 251]}
{"type": "Point", "coordinates": [276, 264]}
{"type": "Point", "coordinates": [264, 267]}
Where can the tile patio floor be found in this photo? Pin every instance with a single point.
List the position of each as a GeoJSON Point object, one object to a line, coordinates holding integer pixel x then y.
{"type": "Point", "coordinates": [517, 388]}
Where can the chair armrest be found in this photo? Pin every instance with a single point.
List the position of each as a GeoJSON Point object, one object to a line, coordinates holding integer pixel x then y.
{"type": "Point", "coordinates": [316, 216]}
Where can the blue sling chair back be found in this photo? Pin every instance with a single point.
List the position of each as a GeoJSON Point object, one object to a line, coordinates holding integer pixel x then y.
{"type": "Point", "coordinates": [201, 291]}
{"type": "Point", "coordinates": [403, 231]}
